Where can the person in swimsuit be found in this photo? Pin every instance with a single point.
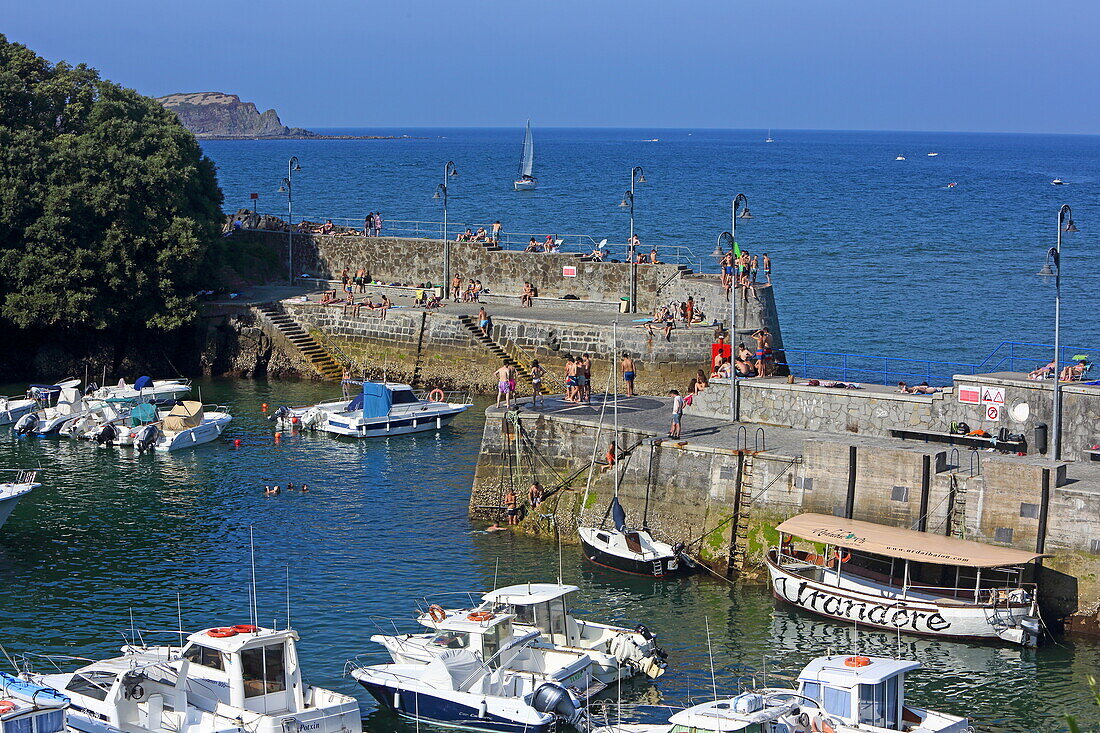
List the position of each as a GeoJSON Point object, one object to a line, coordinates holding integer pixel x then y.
{"type": "Point", "coordinates": [504, 387]}
{"type": "Point", "coordinates": [677, 413]}
{"type": "Point", "coordinates": [570, 379]}
{"type": "Point", "coordinates": [537, 373]}
{"type": "Point", "coordinates": [628, 373]}
{"type": "Point", "coordinates": [456, 288]}
{"type": "Point", "coordinates": [483, 321]}
{"type": "Point", "coordinates": [761, 353]}
{"type": "Point", "coordinates": [510, 507]}
{"type": "Point", "coordinates": [767, 262]}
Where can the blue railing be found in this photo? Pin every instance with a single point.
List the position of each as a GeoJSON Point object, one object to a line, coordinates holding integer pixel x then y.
{"type": "Point", "coordinates": [1009, 356]}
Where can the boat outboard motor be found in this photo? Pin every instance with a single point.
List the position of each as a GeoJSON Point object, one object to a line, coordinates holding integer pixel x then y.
{"type": "Point", "coordinates": [680, 551]}
{"type": "Point", "coordinates": [90, 389]}
{"type": "Point", "coordinates": [280, 414]}
{"type": "Point", "coordinates": [26, 424]}
{"type": "Point", "coordinates": [107, 434]}
{"type": "Point", "coordinates": [550, 697]}
{"type": "Point", "coordinates": [146, 438]}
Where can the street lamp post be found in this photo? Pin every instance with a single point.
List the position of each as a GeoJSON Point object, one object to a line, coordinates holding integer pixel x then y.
{"type": "Point", "coordinates": [740, 203]}
{"type": "Point", "coordinates": [286, 187]}
{"type": "Point", "coordinates": [1065, 224]}
{"type": "Point", "coordinates": [637, 175]}
{"type": "Point", "coordinates": [449, 171]}
{"type": "Point", "coordinates": [735, 410]}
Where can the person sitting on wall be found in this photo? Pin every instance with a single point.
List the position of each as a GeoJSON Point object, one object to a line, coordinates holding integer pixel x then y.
{"type": "Point", "coordinates": [475, 294]}
{"type": "Point", "coordinates": [327, 228]}
{"type": "Point", "coordinates": [482, 235]}
{"type": "Point", "coordinates": [329, 296]}
{"type": "Point", "coordinates": [1073, 372]}
{"type": "Point", "coordinates": [468, 294]}
{"type": "Point", "coordinates": [526, 298]}
{"type": "Point", "coordinates": [532, 246]}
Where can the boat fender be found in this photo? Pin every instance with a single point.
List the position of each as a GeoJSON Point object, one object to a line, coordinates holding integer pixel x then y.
{"type": "Point", "coordinates": [26, 424]}
{"type": "Point", "coordinates": [397, 701]}
{"type": "Point", "coordinates": [437, 613]}
{"type": "Point", "coordinates": [483, 709]}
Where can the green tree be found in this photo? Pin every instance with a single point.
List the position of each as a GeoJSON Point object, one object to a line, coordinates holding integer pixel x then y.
{"type": "Point", "coordinates": [107, 204]}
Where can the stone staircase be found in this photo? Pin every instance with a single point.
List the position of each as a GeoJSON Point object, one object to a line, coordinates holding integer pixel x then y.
{"type": "Point", "coordinates": [320, 358]}
{"type": "Point", "coordinates": [499, 352]}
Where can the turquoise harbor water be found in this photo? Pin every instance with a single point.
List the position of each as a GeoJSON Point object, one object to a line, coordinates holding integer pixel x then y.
{"type": "Point", "coordinates": [110, 534]}
{"type": "Point", "coordinates": [871, 255]}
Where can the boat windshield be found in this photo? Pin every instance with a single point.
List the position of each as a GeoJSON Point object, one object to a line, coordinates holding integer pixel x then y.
{"type": "Point", "coordinates": [204, 656]}
{"type": "Point", "coordinates": [451, 640]}
{"type": "Point", "coordinates": [403, 397]}
{"type": "Point", "coordinates": [93, 683]}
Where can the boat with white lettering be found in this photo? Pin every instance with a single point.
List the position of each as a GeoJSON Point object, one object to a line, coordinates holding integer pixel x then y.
{"type": "Point", "coordinates": [900, 579]}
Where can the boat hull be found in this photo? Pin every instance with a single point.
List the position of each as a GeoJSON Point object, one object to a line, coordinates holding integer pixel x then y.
{"type": "Point", "coordinates": [7, 506]}
{"type": "Point", "coordinates": [209, 430]}
{"type": "Point", "coordinates": [445, 711]}
{"type": "Point", "coordinates": [396, 425]}
{"type": "Point", "coordinates": [910, 615]}
{"type": "Point", "coordinates": [665, 568]}
{"type": "Point", "coordinates": [16, 411]}
{"type": "Point", "coordinates": [525, 185]}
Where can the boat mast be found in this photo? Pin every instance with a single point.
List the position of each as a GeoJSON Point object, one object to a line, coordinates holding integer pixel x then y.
{"type": "Point", "coordinates": [615, 405]}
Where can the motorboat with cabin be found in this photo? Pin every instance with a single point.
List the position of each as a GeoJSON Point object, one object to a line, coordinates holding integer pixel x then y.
{"type": "Point", "coordinates": [374, 409]}
{"type": "Point", "coordinates": [633, 551]}
{"type": "Point", "coordinates": [12, 491]}
{"type": "Point", "coordinates": [486, 678]}
{"type": "Point", "coordinates": [29, 708]}
{"type": "Point", "coordinates": [835, 694]}
{"type": "Point", "coordinates": [145, 388]}
{"type": "Point", "coordinates": [616, 652]}
{"type": "Point", "coordinates": [57, 405]}
{"type": "Point", "coordinates": [900, 579]}
{"type": "Point", "coordinates": [221, 680]}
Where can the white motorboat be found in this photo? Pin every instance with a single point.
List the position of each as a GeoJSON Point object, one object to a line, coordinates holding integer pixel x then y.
{"type": "Point", "coordinates": [892, 578]}
{"type": "Point", "coordinates": [16, 406]}
{"type": "Point", "coordinates": [848, 694]}
{"type": "Point", "coordinates": [186, 425]}
{"type": "Point", "coordinates": [29, 708]}
{"type": "Point", "coordinates": [632, 551]}
{"type": "Point", "coordinates": [766, 711]}
{"type": "Point", "coordinates": [461, 689]}
{"type": "Point", "coordinates": [12, 491]}
{"type": "Point", "coordinates": [145, 388]}
{"type": "Point", "coordinates": [932, 155]}
{"type": "Point", "coordinates": [58, 405]}
{"type": "Point", "coordinates": [1057, 182]}
{"type": "Point", "coordinates": [527, 180]}
{"type": "Point", "coordinates": [223, 680]}
{"type": "Point", "coordinates": [900, 157]}
{"type": "Point", "coordinates": [374, 409]}
{"type": "Point", "coordinates": [616, 652]}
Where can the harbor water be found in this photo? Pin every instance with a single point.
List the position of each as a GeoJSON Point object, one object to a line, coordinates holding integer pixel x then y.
{"type": "Point", "coordinates": [871, 255]}
{"type": "Point", "coordinates": [112, 539]}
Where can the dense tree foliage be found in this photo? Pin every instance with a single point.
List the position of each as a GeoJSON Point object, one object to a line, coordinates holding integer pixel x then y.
{"type": "Point", "coordinates": [107, 204]}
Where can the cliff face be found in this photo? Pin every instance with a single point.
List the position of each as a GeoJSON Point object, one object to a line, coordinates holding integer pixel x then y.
{"type": "Point", "coordinates": [218, 115]}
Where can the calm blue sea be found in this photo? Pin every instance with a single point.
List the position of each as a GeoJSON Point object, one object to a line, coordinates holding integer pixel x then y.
{"type": "Point", "coordinates": [871, 255]}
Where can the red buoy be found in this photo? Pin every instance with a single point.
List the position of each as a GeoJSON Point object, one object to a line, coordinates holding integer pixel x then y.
{"type": "Point", "coordinates": [294, 421]}
{"type": "Point", "coordinates": [236, 442]}
{"type": "Point", "coordinates": [263, 407]}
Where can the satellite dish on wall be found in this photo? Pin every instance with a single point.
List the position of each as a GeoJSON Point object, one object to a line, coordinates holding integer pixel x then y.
{"type": "Point", "coordinates": [1020, 412]}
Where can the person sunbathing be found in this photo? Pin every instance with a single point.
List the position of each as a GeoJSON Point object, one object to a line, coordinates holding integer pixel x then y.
{"type": "Point", "coordinates": [1073, 372]}
{"type": "Point", "coordinates": [1043, 372]}
{"type": "Point", "coordinates": [329, 296]}
{"type": "Point", "coordinates": [921, 388]}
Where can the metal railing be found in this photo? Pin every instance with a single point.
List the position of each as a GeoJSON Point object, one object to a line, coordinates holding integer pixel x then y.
{"type": "Point", "coordinates": [1008, 356]}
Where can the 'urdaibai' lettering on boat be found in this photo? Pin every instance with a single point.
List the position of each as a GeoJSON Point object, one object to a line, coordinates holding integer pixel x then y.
{"type": "Point", "coordinates": [877, 614]}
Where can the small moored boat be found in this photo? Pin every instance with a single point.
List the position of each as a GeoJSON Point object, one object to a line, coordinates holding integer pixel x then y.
{"type": "Point", "coordinates": [632, 551]}
{"type": "Point", "coordinates": [145, 388]}
{"type": "Point", "coordinates": [899, 579]}
{"type": "Point", "coordinates": [29, 708]}
{"type": "Point", "coordinates": [375, 409]}
{"type": "Point", "coordinates": [765, 711]}
{"type": "Point", "coordinates": [58, 405]}
{"type": "Point", "coordinates": [12, 491]}
{"type": "Point", "coordinates": [186, 425]}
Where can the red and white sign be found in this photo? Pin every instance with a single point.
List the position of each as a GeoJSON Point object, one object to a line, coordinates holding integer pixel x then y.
{"type": "Point", "coordinates": [253, 196]}
{"type": "Point", "coordinates": [970, 395]}
{"type": "Point", "coordinates": [993, 396]}
{"type": "Point", "coordinates": [993, 412]}
{"type": "Point", "coordinates": [569, 271]}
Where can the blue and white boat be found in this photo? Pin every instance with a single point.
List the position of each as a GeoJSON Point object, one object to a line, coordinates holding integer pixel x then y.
{"type": "Point", "coordinates": [12, 491]}
{"type": "Point", "coordinates": [375, 409]}
{"type": "Point", "coordinates": [145, 388]}
{"type": "Point", "coordinates": [26, 707]}
{"type": "Point", "coordinates": [57, 404]}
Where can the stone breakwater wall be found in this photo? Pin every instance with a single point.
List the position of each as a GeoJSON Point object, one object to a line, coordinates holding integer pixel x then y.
{"type": "Point", "coordinates": [878, 411]}
{"type": "Point", "coordinates": [694, 493]}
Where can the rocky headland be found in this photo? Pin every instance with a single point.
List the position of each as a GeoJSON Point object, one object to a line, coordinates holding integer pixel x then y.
{"type": "Point", "coordinates": [220, 116]}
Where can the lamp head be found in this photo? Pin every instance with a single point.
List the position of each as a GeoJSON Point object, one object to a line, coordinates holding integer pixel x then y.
{"type": "Point", "coordinates": [641, 177]}
{"type": "Point", "coordinates": [1070, 227]}
{"type": "Point", "coordinates": [282, 189]}
{"type": "Point", "coordinates": [454, 172]}
{"type": "Point", "coordinates": [1046, 271]}
{"type": "Point", "coordinates": [436, 194]}
{"type": "Point", "coordinates": [296, 166]}
{"type": "Point", "coordinates": [745, 213]}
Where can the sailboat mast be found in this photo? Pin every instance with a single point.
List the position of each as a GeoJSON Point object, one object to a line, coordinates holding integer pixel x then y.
{"type": "Point", "coordinates": [615, 405]}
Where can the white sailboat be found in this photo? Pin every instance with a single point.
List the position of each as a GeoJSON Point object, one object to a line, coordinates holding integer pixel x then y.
{"type": "Point", "coordinates": [768, 139]}
{"type": "Point", "coordinates": [527, 180]}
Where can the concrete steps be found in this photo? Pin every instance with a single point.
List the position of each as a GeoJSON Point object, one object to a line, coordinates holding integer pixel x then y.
{"type": "Point", "coordinates": [312, 350]}
{"type": "Point", "coordinates": [498, 351]}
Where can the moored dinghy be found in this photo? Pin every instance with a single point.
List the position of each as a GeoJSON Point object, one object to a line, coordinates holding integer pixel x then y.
{"type": "Point", "coordinates": [892, 578]}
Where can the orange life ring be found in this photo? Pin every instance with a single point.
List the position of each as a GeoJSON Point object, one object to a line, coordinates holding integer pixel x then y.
{"type": "Point", "coordinates": [821, 724]}
{"type": "Point", "coordinates": [437, 613]}
{"type": "Point", "coordinates": [6, 706]}
{"type": "Point", "coordinates": [223, 632]}
{"type": "Point", "coordinates": [857, 661]}
{"type": "Point", "coordinates": [480, 616]}
{"type": "Point", "coordinates": [842, 556]}
{"type": "Point", "coordinates": [432, 395]}
{"type": "Point", "coordinates": [245, 628]}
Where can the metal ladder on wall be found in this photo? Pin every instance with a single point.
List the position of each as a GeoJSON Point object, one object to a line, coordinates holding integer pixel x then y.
{"type": "Point", "coordinates": [741, 508]}
{"type": "Point", "coordinates": [957, 515]}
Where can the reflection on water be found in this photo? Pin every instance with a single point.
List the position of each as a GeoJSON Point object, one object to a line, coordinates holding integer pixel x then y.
{"type": "Point", "coordinates": [384, 525]}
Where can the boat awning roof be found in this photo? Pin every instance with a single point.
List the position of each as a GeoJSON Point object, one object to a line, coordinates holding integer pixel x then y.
{"type": "Point", "coordinates": [528, 593]}
{"type": "Point", "coordinates": [905, 544]}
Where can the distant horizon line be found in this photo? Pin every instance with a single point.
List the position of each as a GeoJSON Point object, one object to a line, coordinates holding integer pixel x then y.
{"type": "Point", "coordinates": [687, 129]}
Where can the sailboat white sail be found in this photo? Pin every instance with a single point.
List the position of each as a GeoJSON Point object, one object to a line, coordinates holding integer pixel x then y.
{"type": "Point", "coordinates": [527, 180]}
{"type": "Point", "coordinates": [768, 139]}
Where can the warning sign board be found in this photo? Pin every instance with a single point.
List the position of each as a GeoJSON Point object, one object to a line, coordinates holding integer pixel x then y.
{"type": "Point", "coordinates": [993, 412]}
{"type": "Point", "coordinates": [993, 396]}
{"type": "Point", "coordinates": [970, 395]}
{"type": "Point", "coordinates": [569, 271]}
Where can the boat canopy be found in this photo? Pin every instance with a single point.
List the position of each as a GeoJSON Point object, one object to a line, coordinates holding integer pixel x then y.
{"type": "Point", "coordinates": [375, 400]}
{"type": "Point", "coordinates": [183, 416]}
{"type": "Point", "coordinates": [905, 544]}
{"type": "Point", "coordinates": [143, 383]}
{"type": "Point", "coordinates": [142, 414]}
{"type": "Point", "coordinates": [527, 594]}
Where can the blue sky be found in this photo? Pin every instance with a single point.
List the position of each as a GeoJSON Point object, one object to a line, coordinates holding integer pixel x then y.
{"type": "Point", "coordinates": [976, 65]}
